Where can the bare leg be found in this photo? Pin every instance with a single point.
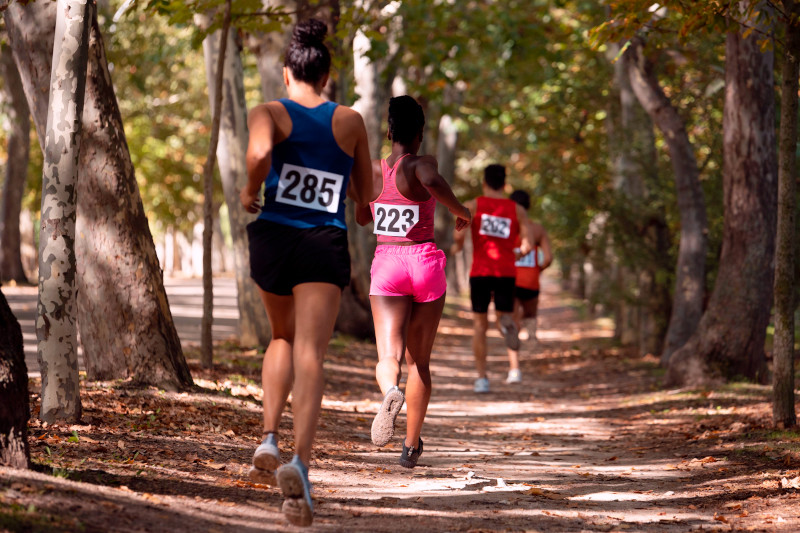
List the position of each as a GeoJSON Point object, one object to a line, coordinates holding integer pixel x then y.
{"type": "Point", "coordinates": [421, 334]}
{"type": "Point", "coordinates": [315, 306]}
{"type": "Point", "coordinates": [527, 315]}
{"type": "Point", "coordinates": [276, 371]}
{"type": "Point", "coordinates": [480, 322]}
{"type": "Point", "coordinates": [513, 355]}
{"type": "Point", "coordinates": [391, 316]}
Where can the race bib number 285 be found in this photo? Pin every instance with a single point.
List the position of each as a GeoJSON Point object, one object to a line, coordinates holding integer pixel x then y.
{"type": "Point", "coordinates": [309, 188]}
{"type": "Point", "coordinates": [493, 226]}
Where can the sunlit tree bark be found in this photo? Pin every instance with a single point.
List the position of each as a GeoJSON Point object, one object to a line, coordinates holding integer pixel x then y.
{"type": "Point", "coordinates": [125, 322]}
{"type": "Point", "coordinates": [55, 321]}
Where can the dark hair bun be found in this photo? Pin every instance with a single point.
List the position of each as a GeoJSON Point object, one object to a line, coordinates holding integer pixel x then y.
{"type": "Point", "coordinates": [310, 32]}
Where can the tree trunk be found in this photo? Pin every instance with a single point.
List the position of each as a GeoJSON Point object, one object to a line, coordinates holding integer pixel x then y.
{"type": "Point", "coordinates": [14, 408]}
{"type": "Point", "coordinates": [729, 340]}
{"type": "Point", "coordinates": [354, 315]}
{"type": "Point", "coordinates": [233, 136]}
{"type": "Point", "coordinates": [19, 136]}
{"type": "Point", "coordinates": [268, 49]}
{"type": "Point", "coordinates": [783, 413]}
{"type": "Point", "coordinates": [687, 305]}
{"type": "Point", "coordinates": [446, 144]}
{"type": "Point", "coordinates": [206, 345]}
{"type": "Point", "coordinates": [125, 322]}
{"type": "Point", "coordinates": [55, 321]}
{"type": "Point", "coordinates": [634, 159]}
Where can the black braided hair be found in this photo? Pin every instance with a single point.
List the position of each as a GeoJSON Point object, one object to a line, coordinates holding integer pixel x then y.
{"type": "Point", "coordinates": [406, 119]}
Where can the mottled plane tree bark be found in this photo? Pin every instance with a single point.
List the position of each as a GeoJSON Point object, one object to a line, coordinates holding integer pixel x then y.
{"type": "Point", "coordinates": [783, 413]}
{"type": "Point", "coordinates": [126, 326]}
{"type": "Point", "coordinates": [18, 150]}
{"type": "Point", "coordinates": [14, 407]}
{"type": "Point", "coordinates": [687, 302]}
{"type": "Point", "coordinates": [233, 137]}
{"type": "Point", "coordinates": [55, 320]}
{"type": "Point", "coordinates": [729, 340]}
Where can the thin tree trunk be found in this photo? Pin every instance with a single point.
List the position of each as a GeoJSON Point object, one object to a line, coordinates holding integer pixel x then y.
{"type": "Point", "coordinates": [254, 327]}
{"type": "Point", "coordinates": [354, 314]}
{"type": "Point", "coordinates": [16, 169]}
{"type": "Point", "coordinates": [687, 305]}
{"type": "Point", "coordinates": [124, 318]}
{"type": "Point", "coordinates": [206, 344]}
{"type": "Point", "coordinates": [783, 413]}
{"type": "Point", "coordinates": [55, 321]}
{"type": "Point", "coordinates": [446, 144]}
{"type": "Point", "coordinates": [729, 341]}
{"type": "Point", "coordinates": [14, 406]}
{"type": "Point", "coordinates": [635, 158]}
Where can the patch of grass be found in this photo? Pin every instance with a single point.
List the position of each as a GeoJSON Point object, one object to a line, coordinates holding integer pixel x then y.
{"type": "Point", "coordinates": [787, 435]}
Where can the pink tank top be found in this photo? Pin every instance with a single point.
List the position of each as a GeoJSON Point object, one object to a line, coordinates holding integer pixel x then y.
{"type": "Point", "coordinates": [396, 218]}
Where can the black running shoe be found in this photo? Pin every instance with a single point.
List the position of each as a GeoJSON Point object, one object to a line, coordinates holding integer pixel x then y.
{"type": "Point", "coordinates": [410, 456]}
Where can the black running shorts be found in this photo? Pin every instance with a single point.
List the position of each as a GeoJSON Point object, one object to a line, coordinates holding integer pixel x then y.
{"type": "Point", "coordinates": [483, 288]}
{"type": "Point", "coordinates": [524, 294]}
{"type": "Point", "coordinates": [283, 256]}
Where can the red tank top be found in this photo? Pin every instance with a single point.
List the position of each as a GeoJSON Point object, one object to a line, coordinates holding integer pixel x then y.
{"type": "Point", "coordinates": [528, 270]}
{"type": "Point", "coordinates": [398, 219]}
{"type": "Point", "coordinates": [495, 230]}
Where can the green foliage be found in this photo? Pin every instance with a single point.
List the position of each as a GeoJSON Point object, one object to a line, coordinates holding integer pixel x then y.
{"type": "Point", "coordinates": [246, 15]}
{"type": "Point", "coordinates": [161, 88]}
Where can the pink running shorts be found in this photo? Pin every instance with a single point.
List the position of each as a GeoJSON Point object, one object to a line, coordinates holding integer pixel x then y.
{"type": "Point", "coordinates": [416, 270]}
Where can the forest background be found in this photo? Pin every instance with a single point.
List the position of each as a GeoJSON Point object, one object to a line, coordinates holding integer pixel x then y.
{"type": "Point", "coordinates": [647, 134]}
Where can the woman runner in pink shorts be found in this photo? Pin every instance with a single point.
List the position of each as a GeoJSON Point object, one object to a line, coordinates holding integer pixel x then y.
{"type": "Point", "coordinates": [408, 285]}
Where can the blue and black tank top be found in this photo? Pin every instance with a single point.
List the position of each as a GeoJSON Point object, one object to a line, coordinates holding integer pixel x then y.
{"type": "Point", "coordinates": [307, 183]}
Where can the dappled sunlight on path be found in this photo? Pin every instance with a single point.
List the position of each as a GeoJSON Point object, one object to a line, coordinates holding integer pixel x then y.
{"type": "Point", "coordinates": [589, 441]}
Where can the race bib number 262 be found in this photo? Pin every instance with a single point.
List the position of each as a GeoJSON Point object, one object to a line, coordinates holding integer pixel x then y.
{"type": "Point", "coordinates": [309, 188]}
{"type": "Point", "coordinates": [493, 226]}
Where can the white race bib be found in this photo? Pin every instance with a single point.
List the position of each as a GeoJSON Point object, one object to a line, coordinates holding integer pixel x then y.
{"type": "Point", "coordinates": [309, 188]}
{"type": "Point", "coordinates": [395, 220]}
{"type": "Point", "coordinates": [528, 260]}
{"type": "Point", "coordinates": [493, 226]}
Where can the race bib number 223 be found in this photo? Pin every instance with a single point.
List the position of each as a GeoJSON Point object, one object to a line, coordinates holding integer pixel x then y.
{"type": "Point", "coordinates": [309, 188]}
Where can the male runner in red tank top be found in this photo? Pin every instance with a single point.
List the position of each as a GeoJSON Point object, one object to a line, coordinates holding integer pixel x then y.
{"type": "Point", "coordinates": [495, 230]}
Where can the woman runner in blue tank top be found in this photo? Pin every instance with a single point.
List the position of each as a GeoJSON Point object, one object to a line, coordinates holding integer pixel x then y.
{"type": "Point", "coordinates": [309, 154]}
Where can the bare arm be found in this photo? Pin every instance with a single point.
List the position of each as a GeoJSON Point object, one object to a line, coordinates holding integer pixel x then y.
{"type": "Point", "coordinates": [427, 172]}
{"type": "Point", "coordinates": [363, 212]}
{"type": "Point", "coordinates": [259, 155]}
{"type": "Point", "coordinates": [360, 187]}
{"type": "Point", "coordinates": [526, 237]}
{"type": "Point", "coordinates": [460, 234]}
{"type": "Point", "coordinates": [544, 245]}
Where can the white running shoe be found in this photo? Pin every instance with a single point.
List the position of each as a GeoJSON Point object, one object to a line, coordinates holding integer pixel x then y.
{"type": "Point", "coordinates": [481, 385]}
{"type": "Point", "coordinates": [514, 376]}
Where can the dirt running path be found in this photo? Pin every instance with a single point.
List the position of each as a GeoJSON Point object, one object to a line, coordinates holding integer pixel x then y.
{"type": "Point", "coordinates": [588, 442]}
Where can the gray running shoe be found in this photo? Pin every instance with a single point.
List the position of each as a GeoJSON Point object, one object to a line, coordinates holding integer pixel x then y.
{"type": "Point", "coordinates": [510, 331]}
{"type": "Point", "coordinates": [293, 481]}
{"type": "Point", "coordinates": [383, 424]}
{"type": "Point", "coordinates": [266, 459]}
{"type": "Point", "coordinates": [481, 385]}
{"type": "Point", "coordinates": [410, 456]}
{"type": "Point", "coordinates": [514, 376]}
